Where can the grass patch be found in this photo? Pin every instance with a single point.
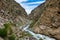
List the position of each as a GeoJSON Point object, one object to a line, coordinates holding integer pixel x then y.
{"type": "Point", "coordinates": [32, 23]}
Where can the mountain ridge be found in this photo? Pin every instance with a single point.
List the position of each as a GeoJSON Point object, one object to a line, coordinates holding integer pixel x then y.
{"type": "Point", "coordinates": [46, 21]}
{"type": "Point", "coordinates": [12, 17]}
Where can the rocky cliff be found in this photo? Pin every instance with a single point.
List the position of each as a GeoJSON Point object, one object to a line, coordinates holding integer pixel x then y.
{"type": "Point", "coordinates": [46, 19]}
{"type": "Point", "coordinates": [12, 16]}
{"type": "Point", "coordinates": [11, 10]}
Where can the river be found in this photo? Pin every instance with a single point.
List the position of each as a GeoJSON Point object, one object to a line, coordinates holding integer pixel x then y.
{"type": "Point", "coordinates": [37, 36]}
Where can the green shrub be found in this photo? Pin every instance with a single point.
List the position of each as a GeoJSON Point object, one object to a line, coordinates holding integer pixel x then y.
{"type": "Point", "coordinates": [41, 39]}
{"type": "Point", "coordinates": [7, 25]}
{"type": "Point", "coordinates": [33, 22]}
{"type": "Point", "coordinates": [12, 37]}
{"type": "Point", "coordinates": [3, 31]}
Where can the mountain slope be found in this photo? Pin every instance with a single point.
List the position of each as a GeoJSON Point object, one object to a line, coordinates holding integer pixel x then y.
{"type": "Point", "coordinates": [11, 10]}
{"type": "Point", "coordinates": [48, 22]}
{"type": "Point", "coordinates": [12, 16]}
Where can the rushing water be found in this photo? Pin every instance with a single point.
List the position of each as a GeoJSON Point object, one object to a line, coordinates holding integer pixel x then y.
{"type": "Point", "coordinates": [37, 36]}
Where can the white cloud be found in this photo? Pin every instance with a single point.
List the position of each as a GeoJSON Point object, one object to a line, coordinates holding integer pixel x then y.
{"type": "Point", "coordinates": [36, 2]}
{"type": "Point", "coordinates": [28, 9]}
{"type": "Point", "coordinates": [19, 1]}
{"type": "Point", "coordinates": [29, 6]}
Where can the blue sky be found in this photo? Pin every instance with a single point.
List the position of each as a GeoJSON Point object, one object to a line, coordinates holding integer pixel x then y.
{"type": "Point", "coordinates": [29, 5]}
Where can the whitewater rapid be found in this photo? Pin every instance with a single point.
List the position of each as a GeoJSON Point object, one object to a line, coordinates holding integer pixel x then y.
{"type": "Point", "coordinates": [37, 36]}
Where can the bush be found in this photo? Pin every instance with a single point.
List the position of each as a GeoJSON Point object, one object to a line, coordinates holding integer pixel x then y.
{"type": "Point", "coordinates": [32, 23]}
{"type": "Point", "coordinates": [12, 37]}
{"type": "Point", "coordinates": [41, 39]}
{"type": "Point", "coordinates": [3, 31]}
{"type": "Point", "coordinates": [7, 25]}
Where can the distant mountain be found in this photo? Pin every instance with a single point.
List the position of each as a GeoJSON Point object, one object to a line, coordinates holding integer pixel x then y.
{"type": "Point", "coordinates": [46, 19]}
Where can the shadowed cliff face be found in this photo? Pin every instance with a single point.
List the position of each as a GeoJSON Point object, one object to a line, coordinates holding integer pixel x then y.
{"type": "Point", "coordinates": [48, 19]}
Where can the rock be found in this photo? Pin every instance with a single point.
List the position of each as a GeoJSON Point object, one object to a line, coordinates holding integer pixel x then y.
{"type": "Point", "coordinates": [31, 38]}
{"type": "Point", "coordinates": [48, 22]}
{"type": "Point", "coordinates": [11, 11]}
{"type": "Point", "coordinates": [1, 38]}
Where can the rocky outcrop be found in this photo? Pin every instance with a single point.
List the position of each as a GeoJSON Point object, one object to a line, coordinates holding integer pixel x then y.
{"type": "Point", "coordinates": [48, 22]}
{"type": "Point", "coordinates": [11, 12]}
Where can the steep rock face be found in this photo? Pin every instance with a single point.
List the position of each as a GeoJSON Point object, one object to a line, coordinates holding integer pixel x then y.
{"type": "Point", "coordinates": [49, 21]}
{"type": "Point", "coordinates": [35, 14]}
{"type": "Point", "coordinates": [11, 10]}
